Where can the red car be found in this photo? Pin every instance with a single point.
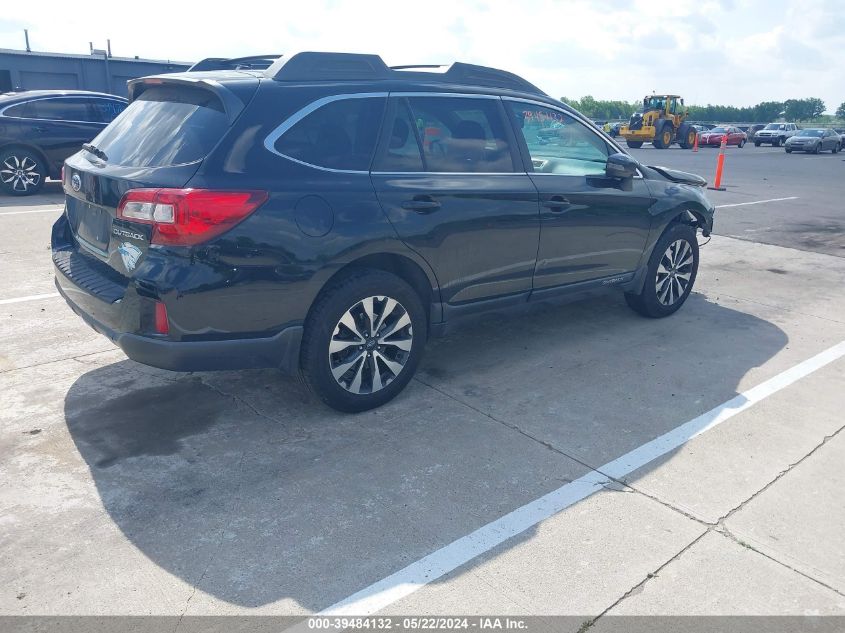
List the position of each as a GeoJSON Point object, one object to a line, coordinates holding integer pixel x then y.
{"type": "Point", "coordinates": [714, 137]}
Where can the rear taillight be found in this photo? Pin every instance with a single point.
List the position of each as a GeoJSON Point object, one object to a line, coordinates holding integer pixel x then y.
{"type": "Point", "coordinates": [161, 323]}
{"type": "Point", "coordinates": [185, 217]}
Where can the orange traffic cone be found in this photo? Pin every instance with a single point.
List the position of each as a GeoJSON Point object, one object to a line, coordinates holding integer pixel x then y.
{"type": "Point", "coordinates": [720, 164]}
{"type": "Point", "coordinates": [695, 143]}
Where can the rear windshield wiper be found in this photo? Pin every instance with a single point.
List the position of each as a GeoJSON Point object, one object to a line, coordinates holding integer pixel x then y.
{"type": "Point", "coordinates": [96, 151]}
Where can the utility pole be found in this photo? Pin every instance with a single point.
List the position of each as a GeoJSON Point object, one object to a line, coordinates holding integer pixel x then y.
{"type": "Point", "coordinates": [26, 37]}
{"type": "Point", "coordinates": [105, 54]}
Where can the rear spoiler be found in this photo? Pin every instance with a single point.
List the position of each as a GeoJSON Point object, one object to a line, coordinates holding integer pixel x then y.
{"type": "Point", "coordinates": [232, 105]}
{"type": "Point", "coordinates": [252, 62]}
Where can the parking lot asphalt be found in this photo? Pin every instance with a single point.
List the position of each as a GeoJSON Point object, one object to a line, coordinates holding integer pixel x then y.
{"type": "Point", "coordinates": [563, 458]}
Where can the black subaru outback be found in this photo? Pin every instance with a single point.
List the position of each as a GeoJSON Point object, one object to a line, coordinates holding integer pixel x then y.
{"type": "Point", "coordinates": [329, 213]}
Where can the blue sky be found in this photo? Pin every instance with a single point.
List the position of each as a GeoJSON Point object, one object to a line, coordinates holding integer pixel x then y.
{"type": "Point", "coordinates": [711, 51]}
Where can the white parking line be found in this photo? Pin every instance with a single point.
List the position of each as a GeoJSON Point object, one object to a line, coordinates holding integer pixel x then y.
{"type": "Point", "coordinates": [429, 568]}
{"type": "Point", "coordinates": [29, 298]}
{"type": "Point", "coordinates": [742, 204]}
{"type": "Point", "coordinates": [55, 210]}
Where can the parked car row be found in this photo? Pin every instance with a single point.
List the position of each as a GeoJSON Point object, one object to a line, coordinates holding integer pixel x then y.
{"type": "Point", "coordinates": [788, 135]}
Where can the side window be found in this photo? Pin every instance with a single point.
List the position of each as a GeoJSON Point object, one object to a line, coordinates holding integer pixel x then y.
{"type": "Point", "coordinates": [401, 149]}
{"type": "Point", "coordinates": [20, 111]}
{"type": "Point", "coordinates": [106, 110]}
{"type": "Point", "coordinates": [461, 134]}
{"type": "Point", "coordinates": [65, 109]}
{"type": "Point", "coordinates": [339, 135]}
{"type": "Point", "coordinates": [557, 143]}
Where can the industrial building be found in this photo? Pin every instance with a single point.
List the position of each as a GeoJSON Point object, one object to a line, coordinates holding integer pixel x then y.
{"type": "Point", "coordinates": [98, 71]}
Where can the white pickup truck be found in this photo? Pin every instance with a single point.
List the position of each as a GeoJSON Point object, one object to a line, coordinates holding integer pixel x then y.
{"type": "Point", "coordinates": [775, 134]}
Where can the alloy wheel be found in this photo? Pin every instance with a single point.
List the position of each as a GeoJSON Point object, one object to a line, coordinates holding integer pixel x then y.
{"type": "Point", "coordinates": [370, 345]}
{"type": "Point", "coordinates": [674, 272]}
{"type": "Point", "coordinates": [21, 174]}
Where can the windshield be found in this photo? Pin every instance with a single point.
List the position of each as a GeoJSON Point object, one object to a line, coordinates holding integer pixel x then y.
{"type": "Point", "coordinates": [811, 133]}
{"type": "Point", "coordinates": [718, 130]}
{"type": "Point", "coordinates": [775, 126]}
{"type": "Point", "coordinates": [654, 103]}
{"type": "Point", "coordinates": [166, 125]}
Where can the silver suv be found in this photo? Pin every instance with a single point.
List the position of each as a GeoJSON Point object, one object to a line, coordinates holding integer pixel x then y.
{"type": "Point", "coordinates": [775, 134]}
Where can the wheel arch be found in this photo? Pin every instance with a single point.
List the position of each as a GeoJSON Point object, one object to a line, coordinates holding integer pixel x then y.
{"type": "Point", "coordinates": [689, 213]}
{"type": "Point", "coordinates": [30, 148]}
{"type": "Point", "coordinates": [401, 266]}
{"type": "Point", "coordinates": [693, 214]}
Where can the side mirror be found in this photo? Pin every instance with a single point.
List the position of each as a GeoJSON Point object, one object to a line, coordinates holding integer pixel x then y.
{"type": "Point", "coordinates": [620, 166]}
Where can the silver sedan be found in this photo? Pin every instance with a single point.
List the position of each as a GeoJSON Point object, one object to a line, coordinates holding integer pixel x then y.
{"type": "Point", "coordinates": [814, 140]}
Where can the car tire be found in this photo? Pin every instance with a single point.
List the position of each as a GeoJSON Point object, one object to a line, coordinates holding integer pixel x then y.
{"type": "Point", "coordinates": [835, 149]}
{"type": "Point", "coordinates": [756, 144]}
{"type": "Point", "coordinates": [817, 149]}
{"type": "Point", "coordinates": [663, 136]}
{"type": "Point", "coordinates": [634, 144]}
{"type": "Point", "coordinates": [342, 361]}
{"type": "Point", "coordinates": [670, 274]}
{"type": "Point", "coordinates": [741, 143]}
{"type": "Point", "coordinates": [788, 151]}
{"type": "Point", "coordinates": [22, 172]}
{"type": "Point", "coordinates": [686, 136]}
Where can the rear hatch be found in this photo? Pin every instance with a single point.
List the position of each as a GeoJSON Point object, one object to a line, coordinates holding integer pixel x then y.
{"type": "Point", "coordinates": [159, 141]}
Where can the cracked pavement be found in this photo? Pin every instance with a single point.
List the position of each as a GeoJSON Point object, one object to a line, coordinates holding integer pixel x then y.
{"type": "Point", "coordinates": [129, 490]}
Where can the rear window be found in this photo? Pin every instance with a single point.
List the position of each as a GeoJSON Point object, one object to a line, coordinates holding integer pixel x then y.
{"type": "Point", "coordinates": [166, 125]}
{"type": "Point", "coordinates": [339, 135]}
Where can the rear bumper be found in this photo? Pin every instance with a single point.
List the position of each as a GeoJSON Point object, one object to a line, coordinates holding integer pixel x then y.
{"type": "Point", "coordinates": [279, 351]}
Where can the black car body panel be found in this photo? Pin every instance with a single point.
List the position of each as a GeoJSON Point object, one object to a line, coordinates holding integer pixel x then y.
{"type": "Point", "coordinates": [679, 176]}
{"type": "Point", "coordinates": [463, 241]}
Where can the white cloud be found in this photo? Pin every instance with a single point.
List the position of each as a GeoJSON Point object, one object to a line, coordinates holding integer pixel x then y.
{"type": "Point", "coordinates": [712, 51]}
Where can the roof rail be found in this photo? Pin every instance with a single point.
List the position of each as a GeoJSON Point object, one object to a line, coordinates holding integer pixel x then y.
{"type": "Point", "coordinates": [252, 62]}
{"type": "Point", "coordinates": [313, 66]}
{"type": "Point", "coordinates": [416, 66]}
{"type": "Point", "coordinates": [328, 67]}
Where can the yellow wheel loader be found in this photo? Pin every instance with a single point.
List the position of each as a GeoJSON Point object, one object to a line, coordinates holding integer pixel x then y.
{"type": "Point", "coordinates": [661, 121]}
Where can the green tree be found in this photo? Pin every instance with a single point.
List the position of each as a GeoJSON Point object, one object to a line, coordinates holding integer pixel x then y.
{"type": "Point", "coordinates": [803, 109]}
{"type": "Point", "coordinates": [840, 111]}
{"type": "Point", "coordinates": [766, 111]}
{"type": "Point", "coordinates": [601, 109]}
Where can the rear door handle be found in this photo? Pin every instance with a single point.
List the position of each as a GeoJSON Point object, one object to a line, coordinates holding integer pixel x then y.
{"type": "Point", "coordinates": [557, 203]}
{"type": "Point", "coordinates": [421, 204]}
{"type": "Point", "coordinates": [40, 129]}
